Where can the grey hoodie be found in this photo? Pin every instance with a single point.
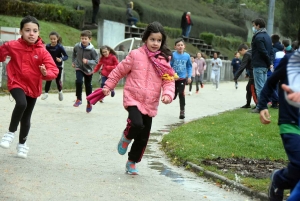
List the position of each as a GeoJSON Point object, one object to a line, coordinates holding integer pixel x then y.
{"type": "Point", "coordinates": [88, 53]}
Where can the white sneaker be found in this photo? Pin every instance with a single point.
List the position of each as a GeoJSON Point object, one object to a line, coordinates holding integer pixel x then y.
{"type": "Point", "coordinates": [22, 150]}
{"type": "Point", "coordinates": [7, 140]}
{"type": "Point", "coordinates": [60, 95]}
{"type": "Point", "coordinates": [190, 93]}
{"type": "Point", "coordinates": [134, 26]}
{"type": "Point", "coordinates": [45, 96]}
{"type": "Point", "coordinates": [236, 86]}
{"type": "Point", "coordinates": [217, 89]}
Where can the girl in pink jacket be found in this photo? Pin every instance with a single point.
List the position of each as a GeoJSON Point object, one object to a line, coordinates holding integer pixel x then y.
{"type": "Point", "coordinates": [147, 72]}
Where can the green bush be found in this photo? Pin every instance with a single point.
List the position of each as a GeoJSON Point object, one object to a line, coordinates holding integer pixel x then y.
{"type": "Point", "coordinates": [231, 43]}
{"type": "Point", "coordinates": [111, 13]}
{"type": "Point", "coordinates": [201, 24]}
{"type": "Point", "coordinates": [48, 12]}
{"type": "Point", "coordinates": [171, 32]}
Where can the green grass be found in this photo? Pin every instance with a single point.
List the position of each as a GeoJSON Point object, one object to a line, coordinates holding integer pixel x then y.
{"type": "Point", "coordinates": [235, 133]}
{"type": "Point", "coordinates": [70, 36]}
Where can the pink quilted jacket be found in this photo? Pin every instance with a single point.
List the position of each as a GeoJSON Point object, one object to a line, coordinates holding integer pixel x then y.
{"type": "Point", "coordinates": [143, 86]}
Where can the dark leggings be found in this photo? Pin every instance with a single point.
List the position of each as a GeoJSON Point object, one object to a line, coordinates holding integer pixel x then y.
{"type": "Point", "coordinates": [87, 83]}
{"type": "Point", "coordinates": [191, 84]}
{"type": "Point", "coordinates": [21, 113]}
{"type": "Point", "coordinates": [179, 89]}
{"type": "Point", "coordinates": [58, 82]}
{"type": "Point", "coordinates": [251, 93]}
{"type": "Point", "coordinates": [138, 128]}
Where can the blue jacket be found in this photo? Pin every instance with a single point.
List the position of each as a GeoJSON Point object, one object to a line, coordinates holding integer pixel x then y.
{"type": "Point", "coordinates": [57, 51]}
{"type": "Point", "coordinates": [182, 65]}
{"type": "Point", "coordinates": [287, 114]}
{"type": "Point", "coordinates": [277, 47]}
{"type": "Point", "coordinates": [262, 51]}
{"type": "Point", "coordinates": [235, 63]}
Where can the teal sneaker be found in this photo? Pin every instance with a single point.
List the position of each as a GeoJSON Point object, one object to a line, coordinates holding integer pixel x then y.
{"type": "Point", "coordinates": [130, 168]}
{"type": "Point", "coordinates": [123, 145]}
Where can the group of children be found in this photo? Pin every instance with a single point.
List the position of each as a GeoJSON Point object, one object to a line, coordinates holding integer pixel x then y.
{"type": "Point", "coordinates": [151, 76]}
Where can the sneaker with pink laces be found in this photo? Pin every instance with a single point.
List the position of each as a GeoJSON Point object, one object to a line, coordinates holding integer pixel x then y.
{"type": "Point", "coordinates": [130, 168]}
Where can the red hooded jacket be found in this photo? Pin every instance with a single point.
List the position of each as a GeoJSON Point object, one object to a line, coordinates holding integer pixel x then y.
{"type": "Point", "coordinates": [109, 63]}
{"type": "Point", "coordinates": [23, 68]}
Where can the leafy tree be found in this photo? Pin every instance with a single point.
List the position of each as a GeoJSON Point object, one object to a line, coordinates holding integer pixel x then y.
{"type": "Point", "coordinates": [290, 22]}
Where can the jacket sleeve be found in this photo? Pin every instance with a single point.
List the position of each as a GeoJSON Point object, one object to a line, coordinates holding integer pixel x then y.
{"type": "Point", "coordinates": [168, 89]}
{"type": "Point", "coordinates": [64, 53]}
{"type": "Point", "coordinates": [4, 51]}
{"type": "Point", "coordinates": [52, 70]}
{"type": "Point", "coordinates": [271, 83]}
{"type": "Point", "coordinates": [189, 67]}
{"type": "Point", "coordinates": [115, 62]}
{"type": "Point", "coordinates": [245, 62]}
{"type": "Point", "coordinates": [294, 71]}
{"type": "Point", "coordinates": [98, 66]}
{"type": "Point", "coordinates": [263, 51]}
{"type": "Point", "coordinates": [74, 54]}
{"type": "Point", "coordinates": [232, 62]}
{"type": "Point", "coordinates": [94, 57]}
{"type": "Point", "coordinates": [122, 69]}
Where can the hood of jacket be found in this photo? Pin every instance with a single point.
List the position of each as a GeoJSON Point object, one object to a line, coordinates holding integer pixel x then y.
{"type": "Point", "coordinates": [278, 47]}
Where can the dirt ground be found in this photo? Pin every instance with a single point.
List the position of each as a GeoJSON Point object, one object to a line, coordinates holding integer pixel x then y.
{"type": "Point", "coordinates": [258, 169]}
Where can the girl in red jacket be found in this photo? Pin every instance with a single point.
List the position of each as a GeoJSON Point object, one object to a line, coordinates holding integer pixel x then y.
{"type": "Point", "coordinates": [108, 62]}
{"type": "Point", "coordinates": [29, 64]}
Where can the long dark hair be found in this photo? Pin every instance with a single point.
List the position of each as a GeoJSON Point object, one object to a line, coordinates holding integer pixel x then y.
{"type": "Point", "coordinates": [54, 33]}
{"type": "Point", "coordinates": [111, 51]}
{"type": "Point", "coordinates": [156, 27]}
{"type": "Point", "coordinates": [28, 19]}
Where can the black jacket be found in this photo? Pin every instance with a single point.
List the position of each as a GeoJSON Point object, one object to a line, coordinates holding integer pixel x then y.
{"type": "Point", "coordinates": [246, 64]}
{"type": "Point", "coordinates": [262, 50]}
{"type": "Point", "coordinates": [287, 113]}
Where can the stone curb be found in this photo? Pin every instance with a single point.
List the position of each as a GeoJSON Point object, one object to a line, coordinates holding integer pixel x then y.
{"type": "Point", "coordinates": [244, 189]}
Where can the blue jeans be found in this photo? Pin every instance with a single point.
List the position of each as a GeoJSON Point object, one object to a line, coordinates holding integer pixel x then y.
{"type": "Point", "coordinates": [260, 78]}
{"type": "Point", "coordinates": [188, 30]}
{"type": "Point", "coordinates": [132, 19]}
{"type": "Point", "coordinates": [288, 177]}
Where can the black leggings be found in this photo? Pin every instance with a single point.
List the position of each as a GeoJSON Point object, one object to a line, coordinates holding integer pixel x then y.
{"type": "Point", "coordinates": [58, 82]}
{"type": "Point", "coordinates": [138, 128]}
{"type": "Point", "coordinates": [179, 89]}
{"type": "Point", "coordinates": [21, 113]}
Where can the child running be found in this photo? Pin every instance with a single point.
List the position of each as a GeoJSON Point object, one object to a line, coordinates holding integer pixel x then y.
{"type": "Point", "coordinates": [84, 59]}
{"type": "Point", "coordinates": [201, 64]}
{"type": "Point", "coordinates": [108, 62]}
{"type": "Point", "coordinates": [216, 64]}
{"type": "Point", "coordinates": [29, 64]}
{"type": "Point", "coordinates": [59, 55]}
{"type": "Point", "coordinates": [236, 63]}
{"type": "Point", "coordinates": [181, 63]}
{"type": "Point", "coordinates": [194, 71]}
{"type": "Point", "coordinates": [147, 72]}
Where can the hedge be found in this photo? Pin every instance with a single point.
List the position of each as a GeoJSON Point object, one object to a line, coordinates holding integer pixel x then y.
{"type": "Point", "coordinates": [201, 24]}
{"type": "Point", "coordinates": [220, 41]}
{"type": "Point", "coordinates": [47, 12]}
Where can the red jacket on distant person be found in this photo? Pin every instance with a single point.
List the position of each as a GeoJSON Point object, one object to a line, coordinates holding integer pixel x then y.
{"type": "Point", "coordinates": [23, 69]}
{"type": "Point", "coordinates": [108, 64]}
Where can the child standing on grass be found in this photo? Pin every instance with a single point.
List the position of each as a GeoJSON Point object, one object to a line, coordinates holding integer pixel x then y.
{"type": "Point", "coordinates": [194, 71]}
{"type": "Point", "coordinates": [29, 64]}
{"type": "Point", "coordinates": [236, 63]}
{"type": "Point", "coordinates": [107, 62]}
{"type": "Point", "coordinates": [84, 59]}
{"type": "Point", "coordinates": [181, 63]}
{"type": "Point", "coordinates": [201, 64]}
{"type": "Point", "coordinates": [148, 72]}
{"type": "Point", "coordinates": [285, 178]}
{"type": "Point", "coordinates": [216, 64]}
{"type": "Point", "coordinates": [59, 55]}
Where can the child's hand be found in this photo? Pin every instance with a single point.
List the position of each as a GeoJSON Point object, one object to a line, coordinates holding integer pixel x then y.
{"type": "Point", "coordinates": [43, 70]}
{"type": "Point", "coordinates": [73, 65]}
{"type": "Point", "coordinates": [165, 99]}
{"type": "Point", "coordinates": [105, 91]}
{"type": "Point", "coordinates": [58, 59]}
{"type": "Point", "coordinates": [265, 116]}
{"type": "Point", "coordinates": [189, 80]}
{"type": "Point", "coordinates": [84, 61]}
{"type": "Point", "coordinates": [293, 96]}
